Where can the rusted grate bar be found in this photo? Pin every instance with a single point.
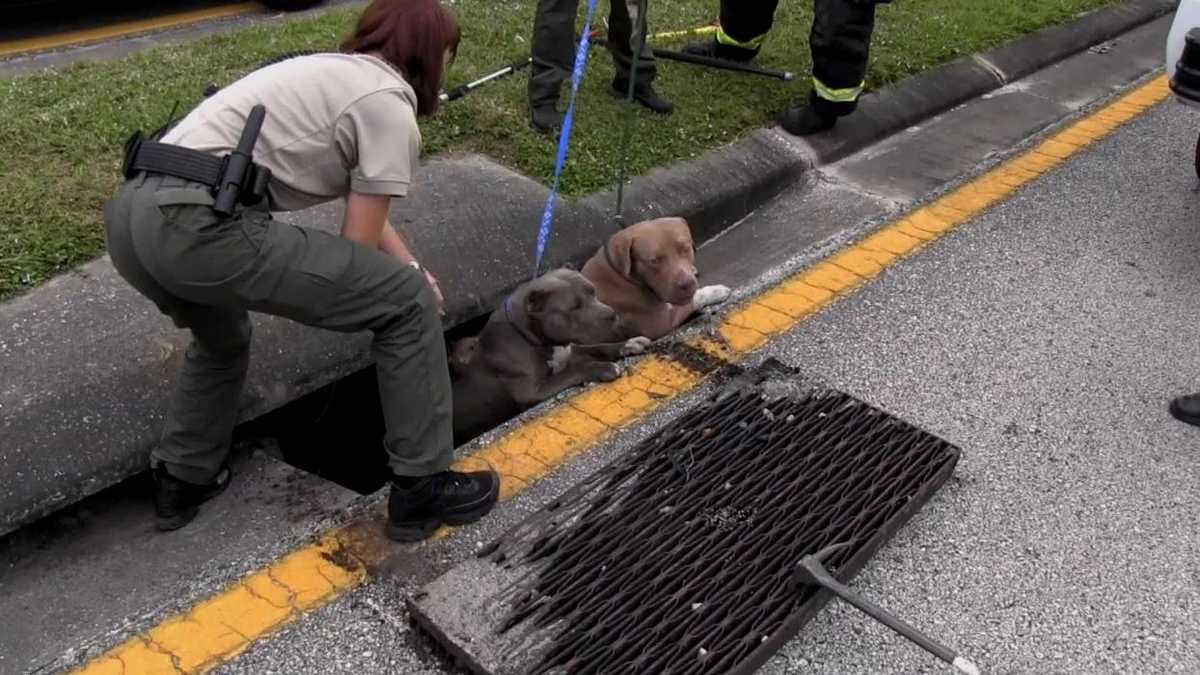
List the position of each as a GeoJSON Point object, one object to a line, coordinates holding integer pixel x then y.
{"type": "Point", "coordinates": [679, 557]}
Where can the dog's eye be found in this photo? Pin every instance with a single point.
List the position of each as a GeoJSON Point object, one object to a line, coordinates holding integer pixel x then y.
{"type": "Point", "coordinates": [656, 260]}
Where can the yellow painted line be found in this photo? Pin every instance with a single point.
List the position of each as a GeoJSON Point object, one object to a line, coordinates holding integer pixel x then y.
{"type": "Point", "coordinates": [702, 30]}
{"type": "Point", "coordinates": [221, 627]}
{"type": "Point", "coordinates": [125, 29]}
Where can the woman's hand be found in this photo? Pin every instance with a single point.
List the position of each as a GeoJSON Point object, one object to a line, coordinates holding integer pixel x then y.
{"type": "Point", "coordinates": [437, 291]}
{"type": "Point", "coordinates": [367, 223]}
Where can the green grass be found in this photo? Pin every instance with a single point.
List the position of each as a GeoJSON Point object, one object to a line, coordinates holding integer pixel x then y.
{"type": "Point", "coordinates": [61, 132]}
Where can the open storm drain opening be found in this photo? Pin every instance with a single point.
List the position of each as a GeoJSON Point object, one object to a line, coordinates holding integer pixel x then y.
{"type": "Point", "coordinates": [680, 556]}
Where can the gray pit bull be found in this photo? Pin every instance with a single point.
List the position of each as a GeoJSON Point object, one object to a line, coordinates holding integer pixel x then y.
{"type": "Point", "coordinates": [550, 334]}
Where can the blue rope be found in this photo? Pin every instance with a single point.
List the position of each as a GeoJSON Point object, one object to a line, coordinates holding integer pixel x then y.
{"type": "Point", "coordinates": [564, 138]}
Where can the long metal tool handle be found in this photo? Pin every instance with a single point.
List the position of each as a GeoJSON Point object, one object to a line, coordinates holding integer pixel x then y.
{"type": "Point", "coordinates": [720, 64]}
{"type": "Point", "coordinates": [821, 576]}
{"type": "Point", "coordinates": [723, 64]}
{"type": "Point", "coordinates": [464, 89]}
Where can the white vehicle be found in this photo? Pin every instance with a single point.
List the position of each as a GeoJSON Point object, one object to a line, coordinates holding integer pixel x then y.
{"type": "Point", "coordinates": [1183, 59]}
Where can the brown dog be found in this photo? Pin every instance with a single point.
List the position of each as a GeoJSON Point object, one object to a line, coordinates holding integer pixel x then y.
{"type": "Point", "coordinates": [647, 273]}
{"type": "Point", "coordinates": [550, 334]}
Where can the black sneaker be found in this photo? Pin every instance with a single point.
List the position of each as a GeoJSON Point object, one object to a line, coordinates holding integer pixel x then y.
{"type": "Point", "coordinates": [715, 50]}
{"type": "Point", "coordinates": [419, 506]}
{"type": "Point", "coordinates": [545, 119]}
{"type": "Point", "coordinates": [176, 502]}
{"type": "Point", "coordinates": [1187, 409]}
{"type": "Point", "coordinates": [644, 95]}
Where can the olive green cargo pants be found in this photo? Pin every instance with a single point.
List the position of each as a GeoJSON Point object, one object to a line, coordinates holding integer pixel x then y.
{"type": "Point", "coordinates": [207, 272]}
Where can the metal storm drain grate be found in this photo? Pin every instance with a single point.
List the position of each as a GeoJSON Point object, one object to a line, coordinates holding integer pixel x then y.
{"type": "Point", "coordinates": [680, 556]}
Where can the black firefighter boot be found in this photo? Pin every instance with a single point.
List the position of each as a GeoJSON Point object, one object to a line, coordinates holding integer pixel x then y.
{"type": "Point", "coordinates": [419, 505]}
{"type": "Point", "coordinates": [805, 120]}
{"type": "Point", "coordinates": [643, 94]}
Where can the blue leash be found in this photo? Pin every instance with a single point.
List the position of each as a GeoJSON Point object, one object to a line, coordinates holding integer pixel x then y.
{"type": "Point", "coordinates": [564, 138]}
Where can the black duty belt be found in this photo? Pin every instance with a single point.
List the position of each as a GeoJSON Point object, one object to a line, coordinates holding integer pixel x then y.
{"type": "Point", "coordinates": [234, 178]}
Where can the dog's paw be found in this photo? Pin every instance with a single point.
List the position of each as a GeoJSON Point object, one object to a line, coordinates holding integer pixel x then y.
{"type": "Point", "coordinates": [635, 346]}
{"type": "Point", "coordinates": [559, 359]}
{"type": "Point", "coordinates": [710, 295]}
{"type": "Point", "coordinates": [606, 372]}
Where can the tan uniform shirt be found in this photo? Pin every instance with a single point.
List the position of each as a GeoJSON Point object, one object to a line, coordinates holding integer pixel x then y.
{"type": "Point", "coordinates": [335, 123]}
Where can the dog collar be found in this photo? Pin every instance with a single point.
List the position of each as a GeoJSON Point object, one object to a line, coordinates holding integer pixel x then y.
{"type": "Point", "coordinates": [521, 330]}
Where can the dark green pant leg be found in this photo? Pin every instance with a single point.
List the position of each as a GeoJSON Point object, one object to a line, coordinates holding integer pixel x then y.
{"type": "Point", "coordinates": [204, 408]}
{"type": "Point", "coordinates": [251, 262]}
{"type": "Point", "coordinates": [329, 282]}
{"type": "Point", "coordinates": [554, 43]}
{"type": "Point", "coordinates": [552, 49]}
{"type": "Point", "coordinates": [199, 426]}
{"type": "Point", "coordinates": [624, 36]}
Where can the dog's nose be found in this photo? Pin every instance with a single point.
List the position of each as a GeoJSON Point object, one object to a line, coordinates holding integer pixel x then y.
{"type": "Point", "coordinates": [687, 285]}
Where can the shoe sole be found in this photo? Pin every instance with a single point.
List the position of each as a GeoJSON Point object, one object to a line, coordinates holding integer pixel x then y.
{"type": "Point", "coordinates": [544, 132]}
{"type": "Point", "coordinates": [616, 93]}
{"type": "Point", "coordinates": [420, 530]}
{"type": "Point", "coordinates": [169, 523]}
{"type": "Point", "coordinates": [1182, 416]}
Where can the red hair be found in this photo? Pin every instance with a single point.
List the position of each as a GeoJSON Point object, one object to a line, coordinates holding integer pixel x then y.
{"type": "Point", "coordinates": [413, 36]}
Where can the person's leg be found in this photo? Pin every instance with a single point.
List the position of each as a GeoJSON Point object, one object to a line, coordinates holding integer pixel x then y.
{"type": "Point", "coordinates": [741, 31]}
{"type": "Point", "coordinates": [553, 60]}
{"type": "Point", "coordinates": [204, 409]}
{"type": "Point", "coordinates": [841, 45]}
{"type": "Point", "coordinates": [327, 281]}
{"type": "Point", "coordinates": [626, 32]}
{"type": "Point", "coordinates": [254, 263]}
{"type": "Point", "coordinates": [188, 465]}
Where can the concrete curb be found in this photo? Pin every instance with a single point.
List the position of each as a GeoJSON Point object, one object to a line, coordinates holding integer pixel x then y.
{"type": "Point", "coordinates": [932, 92]}
{"type": "Point", "coordinates": [89, 365]}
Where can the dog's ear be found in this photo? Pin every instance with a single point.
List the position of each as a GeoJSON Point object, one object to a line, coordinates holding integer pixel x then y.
{"type": "Point", "coordinates": [620, 250]}
{"type": "Point", "coordinates": [535, 301]}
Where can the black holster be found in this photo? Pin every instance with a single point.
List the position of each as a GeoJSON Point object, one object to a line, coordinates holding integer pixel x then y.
{"type": "Point", "coordinates": [233, 179]}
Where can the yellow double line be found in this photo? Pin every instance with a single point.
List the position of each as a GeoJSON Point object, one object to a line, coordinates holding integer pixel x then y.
{"type": "Point", "coordinates": [220, 628]}
{"type": "Point", "coordinates": [124, 29]}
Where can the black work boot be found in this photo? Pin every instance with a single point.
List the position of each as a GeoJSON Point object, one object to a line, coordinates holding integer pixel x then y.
{"type": "Point", "coordinates": [803, 120]}
{"type": "Point", "coordinates": [715, 50]}
{"type": "Point", "coordinates": [545, 119]}
{"type": "Point", "coordinates": [807, 119]}
{"type": "Point", "coordinates": [417, 506]}
{"type": "Point", "coordinates": [1187, 409]}
{"type": "Point", "coordinates": [176, 501]}
{"type": "Point", "coordinates": [645, 95]}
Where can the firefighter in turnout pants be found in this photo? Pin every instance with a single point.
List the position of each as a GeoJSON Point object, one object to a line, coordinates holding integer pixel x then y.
{"type": "Point", "coordinates": [840, 44]}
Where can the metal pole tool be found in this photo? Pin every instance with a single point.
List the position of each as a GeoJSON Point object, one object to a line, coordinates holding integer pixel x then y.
{"type": "Point", "coordinates": [464, 89]}
{"type": "Point", "coordinates": [811, 571]}
{"type": "Point", "coordinates": [719, 64]}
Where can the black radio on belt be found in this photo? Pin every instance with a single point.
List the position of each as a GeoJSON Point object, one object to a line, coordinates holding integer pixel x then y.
{"type": "Point", "coordinates": [234, 179]}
